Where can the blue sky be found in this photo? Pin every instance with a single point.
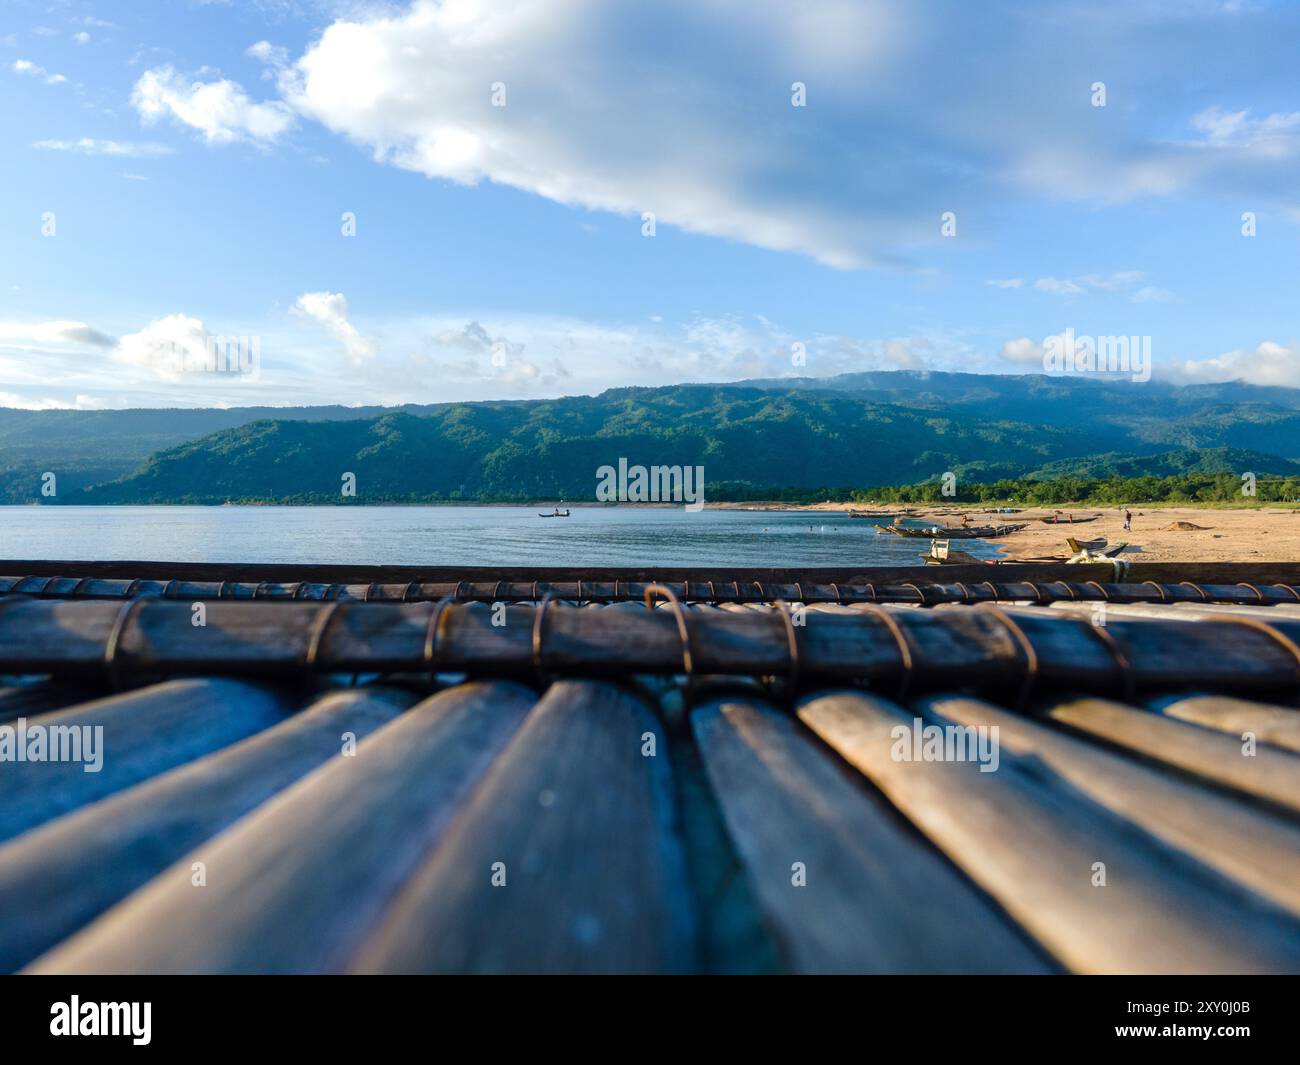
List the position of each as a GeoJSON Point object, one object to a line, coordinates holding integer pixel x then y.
{"type": "Point", "coordinates": [197, 159]}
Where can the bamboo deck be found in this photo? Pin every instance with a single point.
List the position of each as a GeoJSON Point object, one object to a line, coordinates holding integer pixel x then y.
{"type": "Point", "coordinates": [404, 770]}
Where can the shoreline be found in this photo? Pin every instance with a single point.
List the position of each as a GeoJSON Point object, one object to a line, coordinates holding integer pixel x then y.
{"type": "Point", "coordinates": [1259, 532]}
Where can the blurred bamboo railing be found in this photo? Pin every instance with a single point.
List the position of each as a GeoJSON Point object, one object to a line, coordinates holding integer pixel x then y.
{"type": "Point", "coordinates": [923, 591]}
{"type": "Point", "coordinates": [896, 647]}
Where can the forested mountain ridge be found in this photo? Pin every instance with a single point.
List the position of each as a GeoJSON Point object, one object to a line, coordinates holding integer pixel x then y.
{"type": "Point", "coordinates": [855, 430]}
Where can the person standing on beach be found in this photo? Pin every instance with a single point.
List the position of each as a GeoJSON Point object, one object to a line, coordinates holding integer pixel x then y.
{"type": "Point", "coordinates": [1128, 520]}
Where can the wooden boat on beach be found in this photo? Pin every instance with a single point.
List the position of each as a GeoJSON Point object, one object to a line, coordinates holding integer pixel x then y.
{"type": "Point", "coordinates": [1083, 553]}
{"type": "Point", "coordinates": [1056, 519]}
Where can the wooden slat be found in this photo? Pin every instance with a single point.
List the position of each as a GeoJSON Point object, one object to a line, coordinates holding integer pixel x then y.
{"type": "Point", "coordinates": [86, 861]}
{"type": "Point", "coordinates": [145, 732]}
{"type": "Point", "coordinates": [1260, 573]}
{"type": "Point", "coordinates": [1278, 726]}
{"type": "Point", "coordinates": [296, 885]}
{"type": "Point", "coordinates": [1031, 841]}
{"type": "Point", "coordinates": [583, 825]}
{"type": "Point", "coordinates": [877, 898]}
{"type": "Point", "coordinates": [1241, 841]}
{"type": "Point", "coordinates": [948, 645]}
{"type": "Point", "coordinates": [1186, 611]}
{"type": "Point", "coordinates": [1269, 775]}
{"type": "Point", "coordinates": [29, 700]}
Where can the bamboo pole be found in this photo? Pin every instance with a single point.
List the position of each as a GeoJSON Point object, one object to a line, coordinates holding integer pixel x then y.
{"type": "Point", "coordinates": [1018, 650]}
{"type": "Point", "coordinates": [847, 887]}
{"type": "Point", "coordinates": [94, 857]}
{"type": "Point", "coordinates": [885, 586]}
{"type": "Point", "coordinates": [298, 884]}
{"type": "Point", "coordinates": [135, 736]}
{"type": "Point", "coordinates": [1089, 885]}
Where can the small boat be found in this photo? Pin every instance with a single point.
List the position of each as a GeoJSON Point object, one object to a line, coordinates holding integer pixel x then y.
{"type": "Point", "coordinates": [868, 515]}
{"type": "Point", "coordinates": [956, 532]}
{"type": "Point", "coordinates": [1085, 545]}
{"type": "Point", "coordinates": [1088, 555]}
{"type": "Point", "coordinates": [941, 554]}
{"type": "Point", "coordinates": [557, 513]}
{"type": "Point", "coordinates": [1056, 519]}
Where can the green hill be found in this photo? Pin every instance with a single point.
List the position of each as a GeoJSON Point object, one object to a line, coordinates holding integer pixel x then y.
{"type": "Point", "coordinates": [753, 438]}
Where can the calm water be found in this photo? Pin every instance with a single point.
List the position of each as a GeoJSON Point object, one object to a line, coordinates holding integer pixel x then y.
{"type": "Point", "coordinates": [453, 536]}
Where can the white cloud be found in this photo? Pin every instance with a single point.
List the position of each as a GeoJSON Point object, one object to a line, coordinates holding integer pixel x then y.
{"type": "Point", "coordinates": [14, 400]}
{"type": "Point", "coordinates": [81, 38]}
{"type": "Point", "coordinates": [52, 333]}
{"type": "Point", "coordinates": [1011, 282]}
{"type": "Point", "coordinates": [1058, 287]}
{"type": "Point", "coordinates": [165, 346]}
{"type": "Point", "coordinates": [1270, 363]}
{"type": "Point", "coordinates": [1119, 282]}
{"type": "Point", "coordinates": [26, 66]}
{"type": "Point", "coordinates": [90, 146]}
{"type": "Point", "coordinates": [620, 127]}
{"type": "Point", "coordinates": [602, 114]}
{"type": "Point", "coordinates": [331, 310]}
{"type": "Point", "coordinates": [1273, 135]}
{"type": "Point", "coordinates": [221, 110]}
{"type": "Point", "coordinates": [272, 56]}
{"type": "Point", "coordinates": [1023, 351]}
{"type": "Point", "coordinates": [1151, 294]}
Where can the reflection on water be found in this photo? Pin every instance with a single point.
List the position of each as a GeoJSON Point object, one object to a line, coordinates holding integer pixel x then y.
{"type": "Point", "coordinates": [456, 536]}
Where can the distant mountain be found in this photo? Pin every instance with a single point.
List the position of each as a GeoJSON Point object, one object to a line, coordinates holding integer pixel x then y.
{"type": "Point", "coordinates": [1170, 464]}
{"type": "Point", "coordinates": [553, 449]}
{"type": "Point", "coordinates": [855, 430]}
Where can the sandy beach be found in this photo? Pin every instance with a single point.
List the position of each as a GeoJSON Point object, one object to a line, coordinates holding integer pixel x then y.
{"type": "Point", "coordinates": [1255, 534]}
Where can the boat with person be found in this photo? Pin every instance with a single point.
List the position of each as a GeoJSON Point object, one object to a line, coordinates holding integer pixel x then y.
{"type": "Point", "coordinates": [556, 513]}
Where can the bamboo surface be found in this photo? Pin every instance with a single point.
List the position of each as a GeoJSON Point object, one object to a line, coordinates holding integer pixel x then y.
{"type": "Point", "coordinates": [266, 574]}
{"type": "Point", "coordinates": [792, 813]}
{"type": "Point", "coordinates": [1022, 648]}
{"type": "Point", "coordinates": [198, 716]}
{"type": "Point", "coordinates": [94, 857]}
{"type": "Point", "coordinates": [1003, 583]}
{"type": "Point", "coordinates": [1264, 774]}
{"type": "Point", "coordinates": [1278, 726]}
{"type": "Point", "coordinates": [297, 885]}
{"type": "Point", "coordinates": [1032, 842]}
{"type": "Point", "coordinates": [561, 862]}
{"type": "Point", "coordinates": [1241, 841]}
{"type": "Point", "coordinates": [769, 826]}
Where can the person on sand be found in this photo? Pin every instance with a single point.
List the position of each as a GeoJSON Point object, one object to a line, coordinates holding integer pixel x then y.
{"type": "Point", "coordinates": [1128, 520]}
